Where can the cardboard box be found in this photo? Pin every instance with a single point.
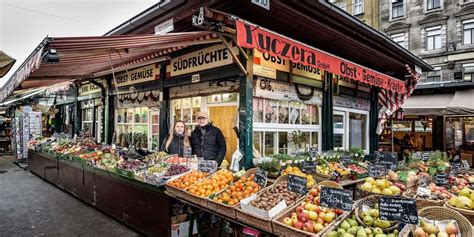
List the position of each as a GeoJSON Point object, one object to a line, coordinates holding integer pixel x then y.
{"type": "Point", "coordinates": [182, 229]}
{"type": "Point", "coordinates": [246, 207]}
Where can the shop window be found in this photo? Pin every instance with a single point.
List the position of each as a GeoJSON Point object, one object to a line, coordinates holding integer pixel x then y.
{"type": "Point", "coordinates": [358, 7]}
{"type": "Point", "coordinates": [468, 71]}
{"type": "Point", "coordinates": [433, 4]}
{"type": "Point", "coordinates": [134, 121]}
{"type": "Point", "coordinates": [400, 39]}
{"type": "Point", "coordinates": [257, 110]}
{"type": "Point", "coordinates": [283, 112]}
{"type": "Point", "coordinates": [269, 143]}
{"type": "Point", "coordinates": [468, 31]}
{"type": "Point", "coordinates": [398, 10]}
{"type": "Point", "coordinates": [186, 109]}
{"type": "Point", "coordinates": [338, 140]}
{"type": "Point", "coordinates": [338, 121]}
{"type": "Point", "coordinates": [87, 120]}
{"type": "Point", "coordinates": [258, 141]}
{"type": "Point", "coordinates": [357, 130]}
{"type": "Point", "coordinates": [271, 111]}
{"type": "Point", "coordinates": [433, 38]}
{"type": "Point", "coordinates": [422, 126]}
{"type": "Point", "coordinates": [314, 140]}
{"type": "Point", "coordinates": [295, 112]}
{"type": "Point", "coordinates": [283, 143]}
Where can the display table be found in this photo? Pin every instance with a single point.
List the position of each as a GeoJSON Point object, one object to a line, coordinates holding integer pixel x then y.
{"type": "Point", "coordinates": [143, 207]}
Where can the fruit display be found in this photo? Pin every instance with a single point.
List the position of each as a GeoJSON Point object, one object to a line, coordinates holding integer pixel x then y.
{"type": "Point", "coordinates": [343, 171]}
{"type": "Point", "coordinates": [369, 216]}
{"type": "Point", "coordinates": [271, 197]}
{"type": "Point", "coordinates": [176, 170]}
{"type": "Point", "coordinates": [155, 158]}
{"type": "Point", "coordinates": [357, 168]}
{"type": "Point", "coordinates": [273, 167]}
{"type": "Point", "coordinates": [460, 182]}
{"type": "Point", "coordinates": [156, 169]}
{"type": "Point", "coordinates": [239, 190]}
{"type": "Point", "coordinates": [433, 193]}
{"type": "Point", "coordinates": [185, 181]}
{"type": "Point", "coordinates": [438, 229]}
{"type": "Point", "coordinates": [323, 168]}
{"type": "Point", "coordinates": [108, 160]}
{"type": "Point", "coordinates": [464, 200]}
{"type": "Point", "coordinates": [309, 216]}
{"type": "Point", "coordinates": [176, 160]}
{"type": "Point", "coordinates": [382, 186]}
{"type": "Point", "coordinates": [134, 165]}
{"type": "Point", "coordinates": [351, 228]}
{"type": "Point", "coordinates": [214, 184]}
{"type": "Point", "coordinates": [296, 171]}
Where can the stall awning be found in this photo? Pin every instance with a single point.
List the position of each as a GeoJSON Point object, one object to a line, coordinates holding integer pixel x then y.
{"type": "Point", "coordinates": [458, 103]}
{"type": "Point", "coordinates": [462, 103]}
{"type": "Point", "coordinates": [85, 57]}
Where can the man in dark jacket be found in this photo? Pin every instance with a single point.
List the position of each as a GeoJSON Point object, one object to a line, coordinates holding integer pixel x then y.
{"type": "Point", "coordinates": [207, 140]}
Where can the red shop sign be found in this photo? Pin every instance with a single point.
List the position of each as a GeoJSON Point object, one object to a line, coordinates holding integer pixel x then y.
{"type": "Point", "coordinates": [250, 36]}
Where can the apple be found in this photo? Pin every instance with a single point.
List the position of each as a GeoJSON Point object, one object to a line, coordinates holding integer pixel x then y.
{"type": "Point", "coordinates": [309, 198]}
{"type": "Point", "coordinates": [322, 215]}
{"type": "Point", "coordinates": [312, 215]}
{"type": "Point", "coordinates": [308, 226]}
{"type": "Point", "coordinates": [299, 209]}
{"type": "Point", "coordinates": [303, 217]}
{"type": "Point", "coordinates": [314, 192]}
{"type": "Point", "coordinates": [318, 209]}
{"type": "Point", "coordinates": [318, 227]}
{"type": "Point", "coordinates": [308, 206]}
{"type": "Point", "coordinates": [316, 201]}
{"type": "Point", "coordinates": [339, 212]}
{"type": "Point", "coordinates": [305, 212]}
{"type": "Point", "coordinates": [329, 217]}
{"type": "Point", "coordinates": [298, 225]}
{"type": "Point", "coordinates": [288, 221]}
{"type": "Point", "coordinates": [320, 220]}
{"type": "Point", "coordinates": [294, 214]}
{"type": "Point", "coordinates": [294, 220]}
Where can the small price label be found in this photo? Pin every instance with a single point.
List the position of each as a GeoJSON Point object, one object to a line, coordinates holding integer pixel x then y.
{"type": "Point", "coordinates": [208, 166]}
{"type": "Point", "coordinates": [336, 198]}
{"type": "Point", "coordinates": [297, 184]}
{"type": "Point", "coordinates": [376, 171]}
{"type": "Point", "coordinates": [261, 177]}
{"type": "Point", "coordinates": [308, 166]}
{"type": "Point", "coordinates": [441, 179]}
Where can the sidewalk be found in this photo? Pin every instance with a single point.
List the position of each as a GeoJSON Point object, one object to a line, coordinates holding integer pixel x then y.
{"type": "Point", "coordinates": [29, 206]}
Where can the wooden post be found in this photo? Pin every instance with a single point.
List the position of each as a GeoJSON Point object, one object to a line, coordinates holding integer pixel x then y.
{"type": "Point", "coordinates": [373, 120]}
{"type": "Point", "coordinates": [165, 110]}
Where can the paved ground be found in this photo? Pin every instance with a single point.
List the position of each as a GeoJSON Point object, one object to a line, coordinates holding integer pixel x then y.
{"type": "Point", "coordinates": [29, 206]}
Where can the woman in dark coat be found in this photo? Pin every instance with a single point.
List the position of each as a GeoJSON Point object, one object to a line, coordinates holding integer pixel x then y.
{"type": "Point", "coordinates": [177, 140]}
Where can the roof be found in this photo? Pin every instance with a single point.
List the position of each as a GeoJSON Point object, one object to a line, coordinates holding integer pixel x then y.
{"type": "Point", "coordinates": [90, 57]}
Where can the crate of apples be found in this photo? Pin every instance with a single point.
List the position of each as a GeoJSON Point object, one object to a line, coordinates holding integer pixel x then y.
{"type": "Point", "coordinates": [309, 216]}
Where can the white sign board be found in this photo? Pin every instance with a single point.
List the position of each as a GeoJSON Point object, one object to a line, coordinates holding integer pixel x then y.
{"type": "Point", "coordinates": [263, 3]}
{"type": "Point", "coordinates": [164, 27]}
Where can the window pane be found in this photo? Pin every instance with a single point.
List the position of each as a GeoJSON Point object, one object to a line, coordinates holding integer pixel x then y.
{"type": "Point", "coordinates": [257, 110]}
{"type": "Point", "coordinates": [269, 143]}
{"type": "Point", "coordinates": [295, 112]}
{"type": "Point", "coordinates": [314, 140]}
{"type": "Point", "coordinates": [338, 140]}
{"type": "Point", "coordinates": [357, 130]}
{"type": "Point", "coordinates": [257, 141]}
{"type": "Point", "coordinates": [314, 114]}
{"type": "Point", "coordinates": [467, 37]}
{"type": "Point", "coordinates": [468, 26]}
{"type": "Point", "coordinates": [306, 114]}
{"type": "Point", "coordinates": [283, 143]}
{"type": "Point", "coordinates": [437, 42]}
{"type": "Point", "coordinates": [283, 114]}
{"type": "Point", "coordinates": [338, 121]}
{"type": "Point", "coordinates": [430, 43]}
{"type": "Point", "coordinates": [271, 111]}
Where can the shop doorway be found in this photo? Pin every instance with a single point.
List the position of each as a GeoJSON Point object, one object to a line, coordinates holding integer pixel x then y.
{"type": "Point", "coordinates": [223, 118]}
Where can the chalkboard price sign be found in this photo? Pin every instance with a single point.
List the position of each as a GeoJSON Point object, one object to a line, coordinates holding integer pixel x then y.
{"type": "Point", "coordinates": [261, 177]}
{"type": "Point", "coordinates": [346, 159]}
{"type": "Point", "coordinates": [387, 159]}
{"type": "Point", "coordinates": [441, 179]}
{"type": "Point", "coordinates": [208, 166]}
{"type": "Point", "coordinates": [425, 156]}
{"type": "Point", "coordinates": [455, 168]}
{"type": "Point", "coordinates": [398, 209]}
{"type": "Point", "coordinates": [308, 166]}
{"type": "Point", "coordinates": [377, 171]}
{"type": "Point", "coordinates": [297, 184]}
{"type": "Point", "coordinates": [336, 198]}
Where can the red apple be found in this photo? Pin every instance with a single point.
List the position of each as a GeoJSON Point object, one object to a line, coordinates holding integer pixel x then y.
{"type": "Point", "coordinates": [308, 226]}
{"type": "Point", "coordinates": [309, 198]}
{"type": "Point", "coordinates": [318, 209]}
{"type": "Point", "coordinates": [298, 225]}
{"type": "Point", "coordinates": [299, 209]}
{"type": "Point", "coordinates": [294, 220]}
{"type": "Point", "coordinates": [339, 212]}
{"type": "Point", "coordinates": [322, 215]}
{"type": "Point", "coordinates": [316, 201]}
{"type": "Point", "coordinates": [314, 192]}
{"type": "Point", "coordinates": [320, 220]}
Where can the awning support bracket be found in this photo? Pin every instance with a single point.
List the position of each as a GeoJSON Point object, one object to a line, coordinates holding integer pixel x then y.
{"type": "Point", "coordinates": [241, 66]}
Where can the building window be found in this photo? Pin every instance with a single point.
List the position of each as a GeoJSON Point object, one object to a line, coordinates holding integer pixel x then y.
{"type": "Point", "coordinates": [433, 38]}
{"type": "Point", "coordinates": [468, 72]}
{"type": "Point", "coordinates": [358, 7]}
{"type": "Point", "coordinates": [399, 39]}
{"type": "Point", "coordinates": [434, 76]}
{"type": "Point", "coordinates": [468, 31]}
{"type": "Point", "coordinates": [397, 9]}
{"type": "Point", "coordinates": [433, 4]}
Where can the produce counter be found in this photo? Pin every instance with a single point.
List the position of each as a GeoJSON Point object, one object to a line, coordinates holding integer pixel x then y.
{"type": "Point", "coordinates": [141, 206]}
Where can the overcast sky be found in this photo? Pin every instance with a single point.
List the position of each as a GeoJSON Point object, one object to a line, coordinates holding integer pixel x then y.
{"type": "Point", "coordinates": [24, 24]}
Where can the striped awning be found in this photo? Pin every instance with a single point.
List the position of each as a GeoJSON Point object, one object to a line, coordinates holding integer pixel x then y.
{"type": "Point", "coordinates": [86, 57]}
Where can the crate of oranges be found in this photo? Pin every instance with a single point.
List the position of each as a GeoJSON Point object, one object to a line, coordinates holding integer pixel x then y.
{"type": "Point", "coordinates": [177, 186]}
{"type": "Point", "coordinates": [225, 201]}
{"type": "Point", "coordinates": [198, 192]}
